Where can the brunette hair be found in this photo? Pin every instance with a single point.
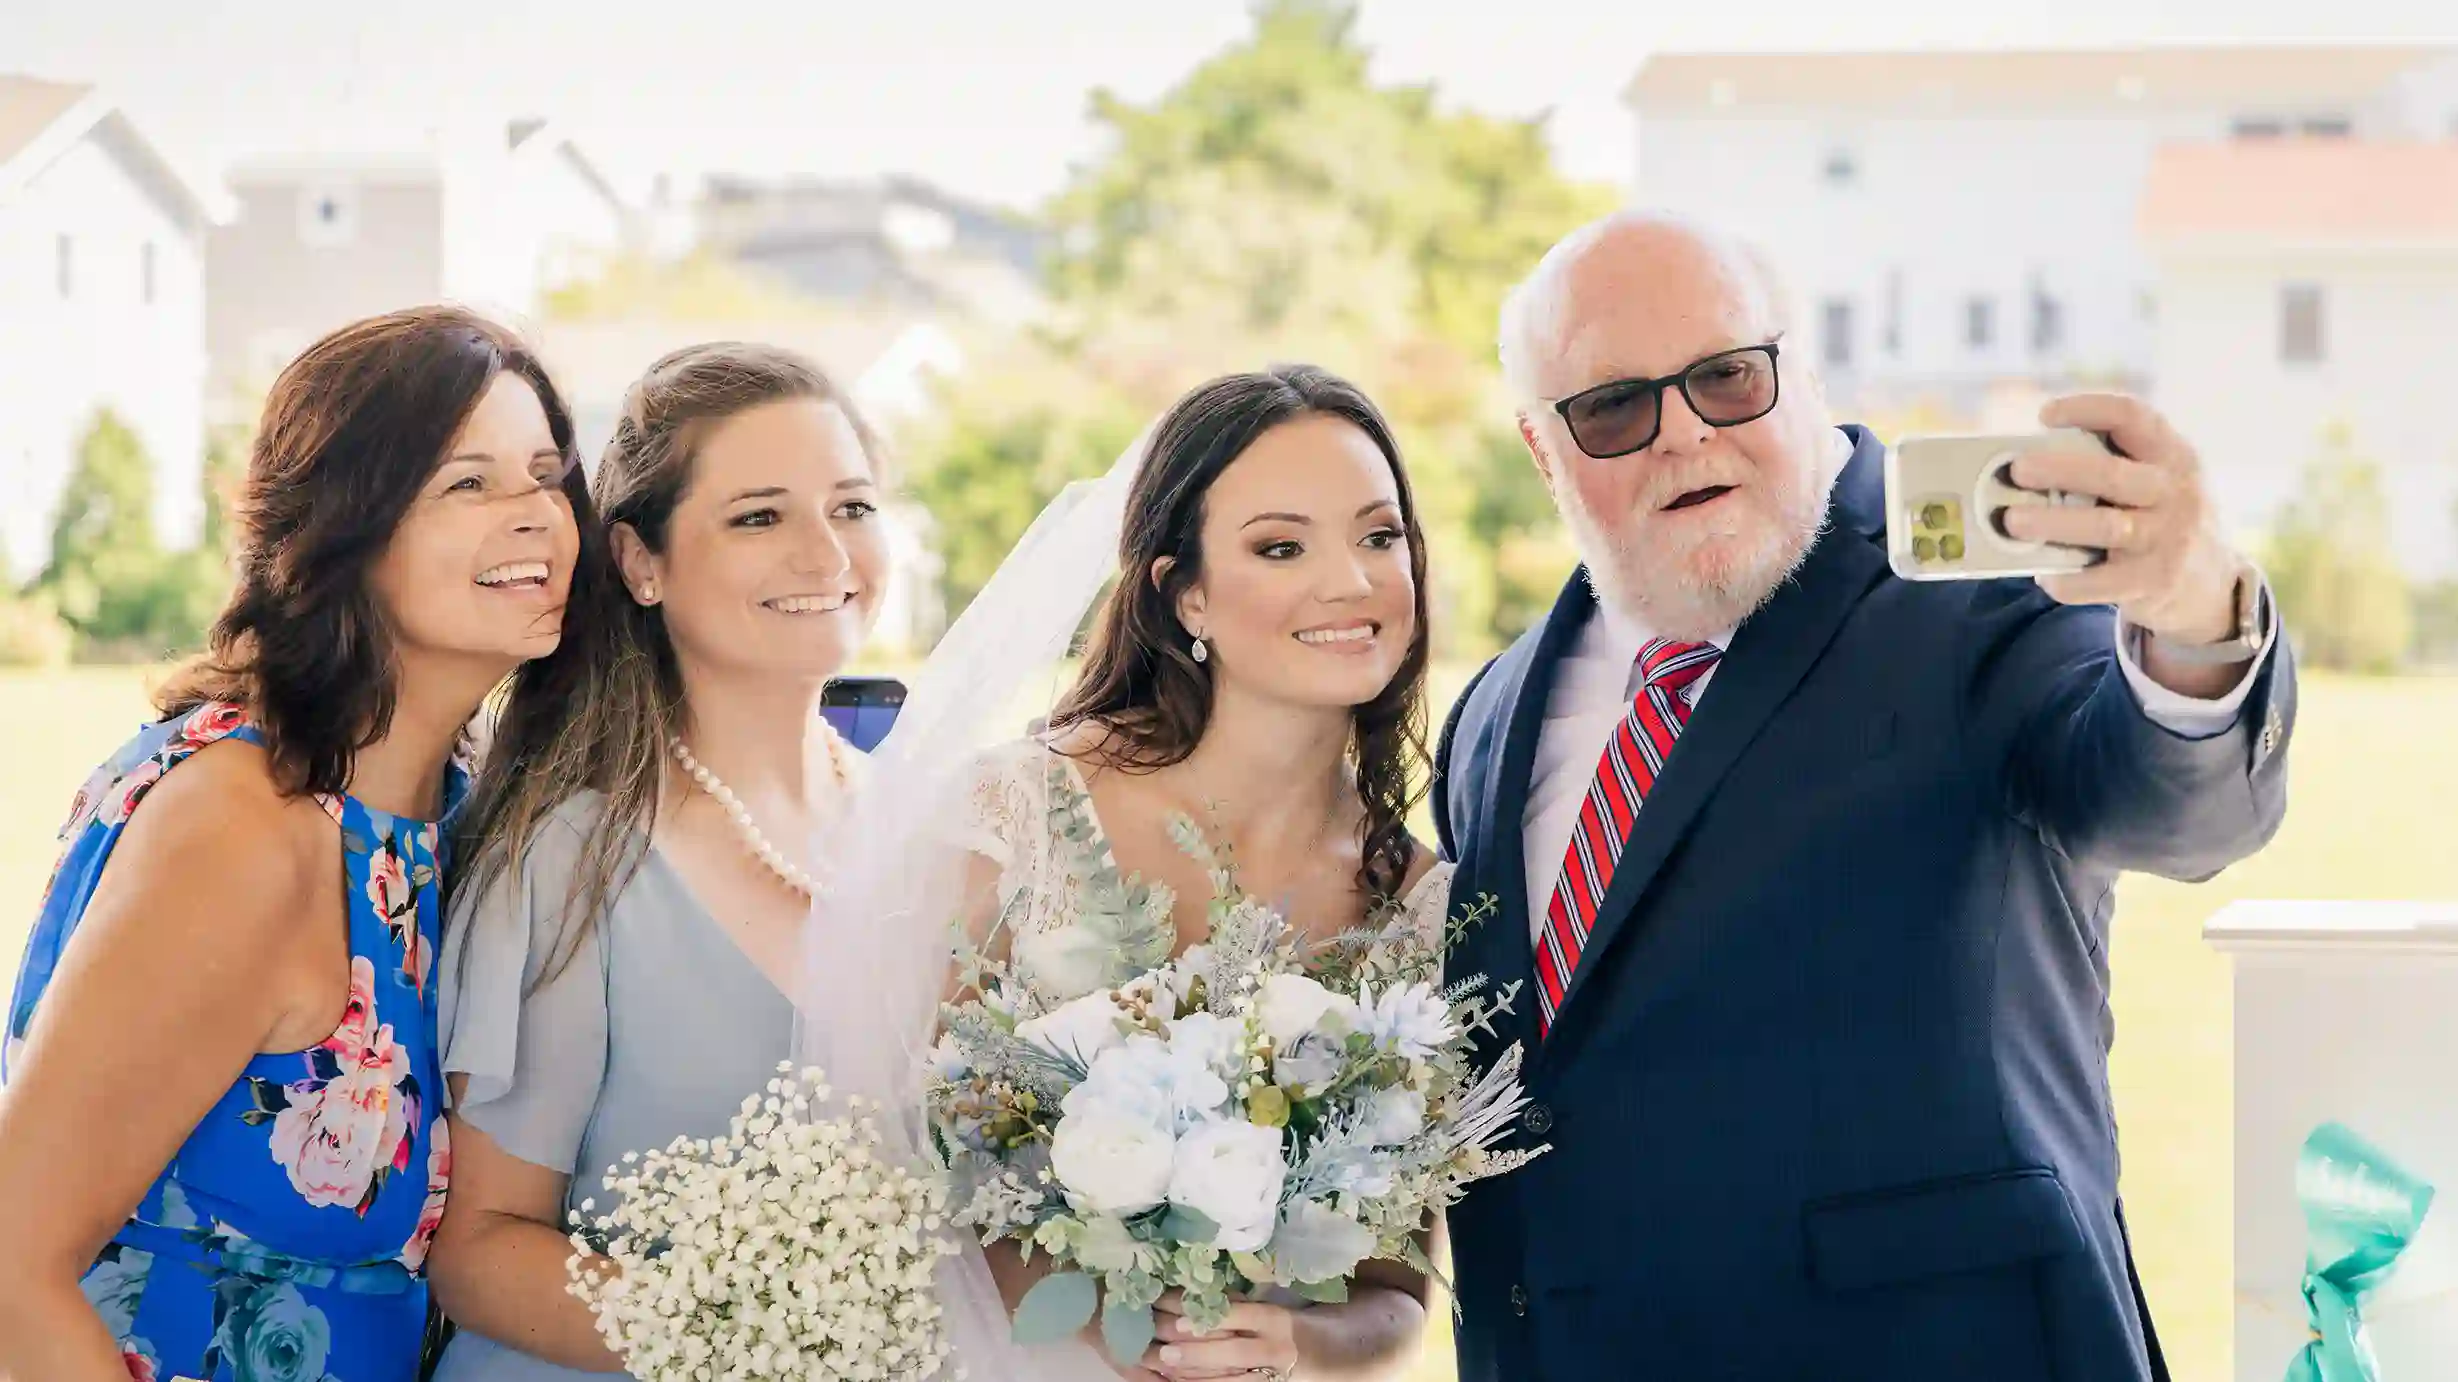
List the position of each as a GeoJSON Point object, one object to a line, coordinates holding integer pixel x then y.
{"type": "Point", "coordinates": [600, 711]}
{"type": "Point", "coordinates": [1140, 682]}
{"type": "Point", "coordinates": [352, 431]}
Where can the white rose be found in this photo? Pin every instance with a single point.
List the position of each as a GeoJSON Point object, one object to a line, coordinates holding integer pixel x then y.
{"type": "Point", "coordinates": [1065, 962]}
{"type": "Point", "coordinates": [1143, 1076]}
{"type": "Point", "coordinates": [1292, 1005]}
{"type": "Point", "coordinates": [1110, 1160]}
{"type": "Point", "coordinates": [1209, 1041]}
{"type": "Point", "coordinates": [1393, 1116]}
{"type": "Point", "coordinates": [1082, 1029]}
{"type": "Point", "coordinates": [1230, 1173]}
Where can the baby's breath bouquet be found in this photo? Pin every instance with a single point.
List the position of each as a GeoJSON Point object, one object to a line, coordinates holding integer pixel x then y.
{"type": "Point", "coordinates": [789, 1248]}
{"type": "Point", "coordinates": [1257, 1115]}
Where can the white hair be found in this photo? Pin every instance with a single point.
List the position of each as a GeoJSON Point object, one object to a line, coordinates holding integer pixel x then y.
{"type": "Point", "coordinates": [1536, 312]}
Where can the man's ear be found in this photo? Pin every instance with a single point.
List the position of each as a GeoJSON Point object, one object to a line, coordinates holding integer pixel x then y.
{"type": "Point", "coordinates": [1536, 448]}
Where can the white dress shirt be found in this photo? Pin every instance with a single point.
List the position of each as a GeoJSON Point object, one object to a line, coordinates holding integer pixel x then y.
{"type": "Point", "coordinates": [1599, 677]}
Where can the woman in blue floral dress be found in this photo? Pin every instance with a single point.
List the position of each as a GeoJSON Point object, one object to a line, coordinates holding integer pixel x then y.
{"type": "Point", "coordinates": [222, 1152]}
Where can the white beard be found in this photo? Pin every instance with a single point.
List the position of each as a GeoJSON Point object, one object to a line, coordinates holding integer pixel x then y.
{"type": "Point", "coordinates": [1669, 595]}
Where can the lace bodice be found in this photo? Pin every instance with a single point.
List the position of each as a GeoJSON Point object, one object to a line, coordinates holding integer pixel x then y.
{"type": "Point", "coordinates": [1030, 811]}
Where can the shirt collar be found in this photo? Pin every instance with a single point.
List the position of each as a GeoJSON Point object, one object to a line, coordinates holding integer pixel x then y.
{"type": "Point", "coordinates": [1622, 636]}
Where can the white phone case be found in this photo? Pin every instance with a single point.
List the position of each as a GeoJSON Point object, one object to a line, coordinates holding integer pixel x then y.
{"type": "Point", "coordinates": [1942, 498]}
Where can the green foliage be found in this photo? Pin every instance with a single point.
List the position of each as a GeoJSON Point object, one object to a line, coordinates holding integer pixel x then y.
{"type": "Point", "coordinates": [108, 579]}
{"type": "Point", "coordinates": [1276, 205]}
{"type": "Point", "coordinates": [32, 634]}
{"type": "Point", "coordinates": [2436, 625]}
{"type": "Point", "coordinates": [1278, 191]}
{"type": "Point", "coordinates": [2345, 601]}
{"type": "Point", "coordinates": [1003, 447]}
{"type": "Point", "coordinates": [703, 286]}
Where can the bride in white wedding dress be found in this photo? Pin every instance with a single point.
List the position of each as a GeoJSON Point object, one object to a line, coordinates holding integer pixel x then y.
{"type": "Point", "coordinates": [1259, 666]}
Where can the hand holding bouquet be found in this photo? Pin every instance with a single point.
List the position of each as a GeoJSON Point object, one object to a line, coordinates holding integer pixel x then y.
{"type": "Point", "coordinates": [789, 1248]}
{"type": "Point", "coordinates": [1258, 1112]}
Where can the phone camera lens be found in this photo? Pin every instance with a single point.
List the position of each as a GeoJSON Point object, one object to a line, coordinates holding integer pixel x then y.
{"type": "Point", "coordinates": [1924, 549]}
{"type": "Point", "coordinates": [1951, 547]}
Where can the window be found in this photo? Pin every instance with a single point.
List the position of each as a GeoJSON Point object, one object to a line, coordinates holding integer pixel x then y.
{"type": "Point", "coordinates": [1835, 335]}
{"type": "Point", "coordinates": [2047, 321]}
{"type": "Point", "coordinates": [2301, 337]}
{"type": "Point", "coordinates": [1979, 323]}
{"type": "Point", "coordinates": [2327, 127]}
{"type": "Point", "coordinates": [1840, 169]}
{"type": "Point", "coordinates": [2257, 127]}
{"type": "Point", "coordinates": [1893, 330]}
{"type": "Point", "coordinates": [145, 271]}
{"type": "Point", "coordinates": [328, 215]}
{"type": "Point", "coordinates": [64, 271]}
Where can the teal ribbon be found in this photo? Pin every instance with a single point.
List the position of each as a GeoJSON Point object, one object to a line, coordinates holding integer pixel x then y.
{"type": "Point", "coordinates": [2361, 1210]}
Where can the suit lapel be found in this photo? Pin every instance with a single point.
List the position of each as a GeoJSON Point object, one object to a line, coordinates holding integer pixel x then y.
{"type": "Point", "coordinates": [1770, 655]}
{"type": "Point", "coordinates": [1508, 955]}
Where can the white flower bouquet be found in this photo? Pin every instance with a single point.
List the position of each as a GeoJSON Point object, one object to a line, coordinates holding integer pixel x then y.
{"type": "Point", "coordinates": [1256, 1115]}
{"type": "Point", "coordinates": [789, 1248]}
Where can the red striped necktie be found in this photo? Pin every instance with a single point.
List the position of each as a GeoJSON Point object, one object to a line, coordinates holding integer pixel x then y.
{"type": "Point", "coordinates": [1633, 758]}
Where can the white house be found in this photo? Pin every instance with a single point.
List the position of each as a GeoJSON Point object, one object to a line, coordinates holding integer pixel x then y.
{"type": "Point", "coordinates": [494, 219]}
{"type": "Point", "coordinates": [102, 305]}
{"type": "Point", "coordinates": [2307, 285]}
{"type": "Point", "coordinates": [1956, 220]}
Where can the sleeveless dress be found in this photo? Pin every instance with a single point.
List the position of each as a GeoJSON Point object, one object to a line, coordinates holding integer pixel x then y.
{"type": "Point", "coordinates": [286, 1241]}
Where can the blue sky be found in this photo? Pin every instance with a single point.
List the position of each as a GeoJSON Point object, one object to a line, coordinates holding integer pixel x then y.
{"type": "Point", "coordinates": [987, 98]}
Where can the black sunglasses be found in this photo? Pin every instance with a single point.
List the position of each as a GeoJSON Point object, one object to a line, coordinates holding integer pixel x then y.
{"type": "Point", "coordinates": [1725, 389]}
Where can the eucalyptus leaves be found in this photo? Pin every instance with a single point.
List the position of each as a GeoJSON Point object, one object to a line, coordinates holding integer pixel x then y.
{"type": "Point", "coordinates": [1258, 1112]}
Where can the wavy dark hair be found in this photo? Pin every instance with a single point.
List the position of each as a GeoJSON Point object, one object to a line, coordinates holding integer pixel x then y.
{"type": "Point", "coordinates": [352, 431]}
{"type": "Point", "coordinates": [1139, 681]}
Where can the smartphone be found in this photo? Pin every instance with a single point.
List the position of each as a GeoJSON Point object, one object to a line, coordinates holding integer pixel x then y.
{"type": "Point", "coordinates": [862, 708]}
{"type": "Point", "coordinates": [1944, 497]}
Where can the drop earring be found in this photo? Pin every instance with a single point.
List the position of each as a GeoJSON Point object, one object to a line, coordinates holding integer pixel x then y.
{"type": "Point", "coordinates": [1199, 651]}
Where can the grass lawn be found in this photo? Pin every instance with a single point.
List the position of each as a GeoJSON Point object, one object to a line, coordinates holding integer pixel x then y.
{"type": "Point", "coordinates": [2371, 759]}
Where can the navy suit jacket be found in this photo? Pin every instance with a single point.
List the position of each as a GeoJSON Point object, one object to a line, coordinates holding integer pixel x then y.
{"type": "Point", "coordinates": [1828, 1096]}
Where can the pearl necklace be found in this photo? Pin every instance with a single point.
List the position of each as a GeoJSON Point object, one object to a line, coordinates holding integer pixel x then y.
{"type": "Point", "coordinates": [740, 814]}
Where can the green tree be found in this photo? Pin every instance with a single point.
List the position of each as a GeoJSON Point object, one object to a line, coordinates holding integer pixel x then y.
{"type": "Point", "coordinates": [2436, 614]}
{"type": "Point", "coordinates": [2330, 566]}
{"type": "Point", "coordinates": [702, 286]}
{"type": "Point", "coordinates": [31, 633]}
{"type": "Point", "coordinates": [108, 578]}
{"type": "Point", "coordinates": [1000, 449]}
{"type": "Point", "coordinates": [1279, 187]}
{"type": "Point", "coordinates": [1279, 204]}
{"type": "Point", "coordinates": [102, 540]}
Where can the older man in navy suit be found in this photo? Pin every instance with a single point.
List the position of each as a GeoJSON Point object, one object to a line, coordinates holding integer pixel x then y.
{"type": "Point", "coordinates": [1806, 871]}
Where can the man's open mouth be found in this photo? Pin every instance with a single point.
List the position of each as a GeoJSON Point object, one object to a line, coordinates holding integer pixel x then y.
{"type": "Point", "coordinates": [1696, 497]}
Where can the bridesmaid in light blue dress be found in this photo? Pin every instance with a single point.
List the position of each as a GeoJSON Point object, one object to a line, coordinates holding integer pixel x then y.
{"type": "Point", "coordinates": [629, 920]}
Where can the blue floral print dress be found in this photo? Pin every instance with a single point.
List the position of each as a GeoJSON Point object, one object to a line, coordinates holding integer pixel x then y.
{"type": "Point", "coordinates": [287, 1239]}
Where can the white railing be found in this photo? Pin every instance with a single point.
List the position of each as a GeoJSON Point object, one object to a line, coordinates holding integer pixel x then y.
{"type": "Point", "coordinates": [2347, 1012]}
